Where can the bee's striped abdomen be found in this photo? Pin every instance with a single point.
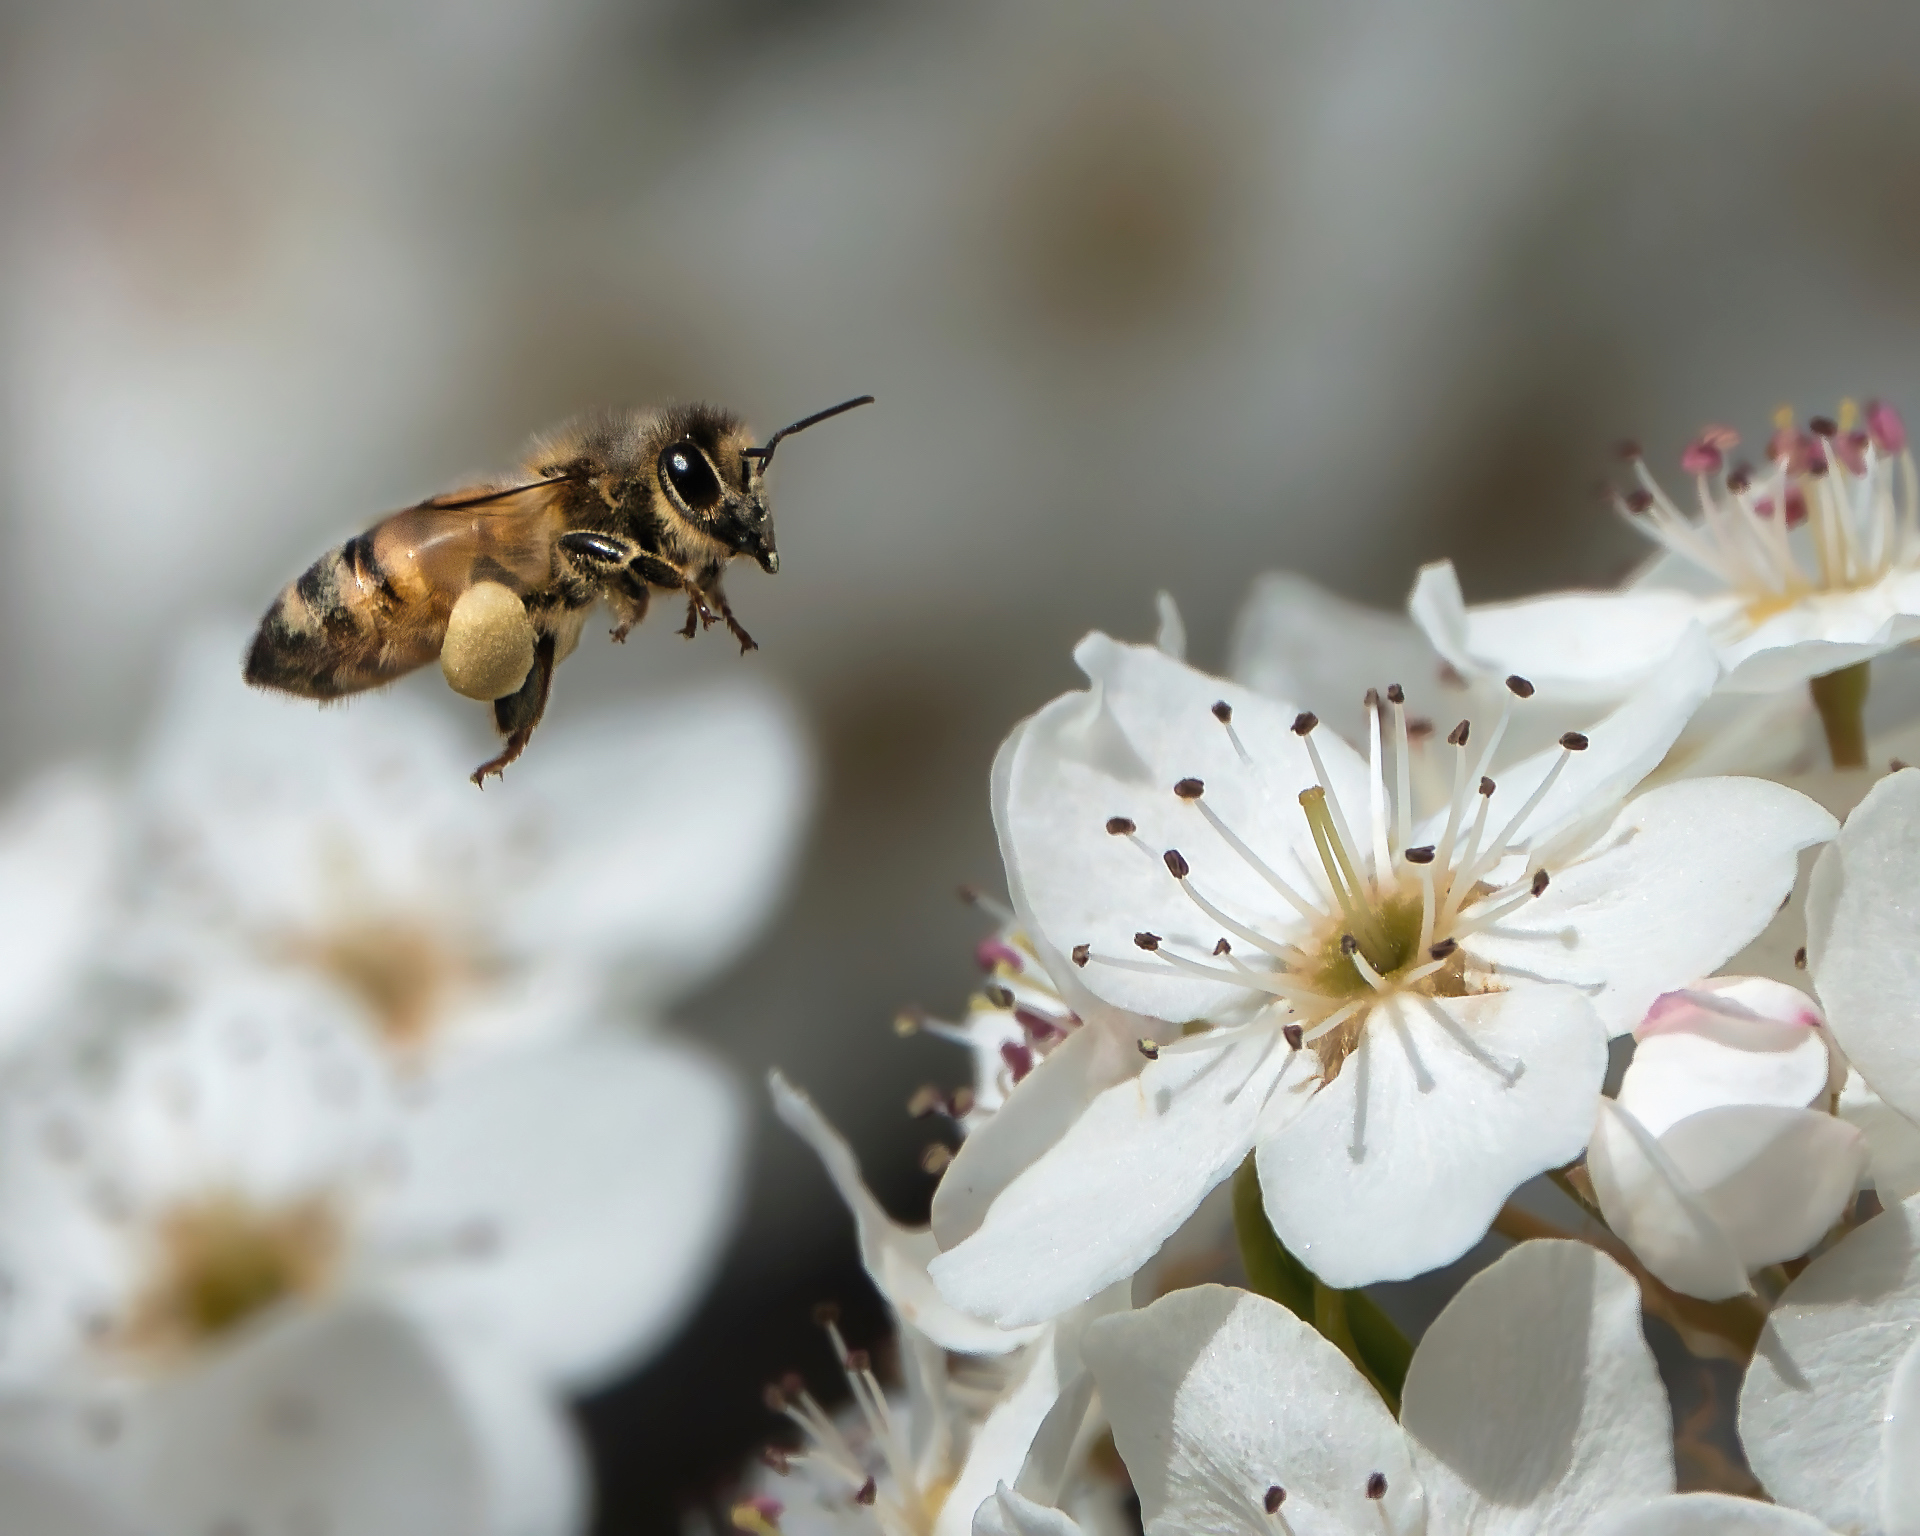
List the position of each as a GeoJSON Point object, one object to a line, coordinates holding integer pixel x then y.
{"type": "Point", "coordinates": [342, 627]}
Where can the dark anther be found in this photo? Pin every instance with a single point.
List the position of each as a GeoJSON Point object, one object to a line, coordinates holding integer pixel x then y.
{"type": "Point", "coordinates": [1190, 789]}
{"type": "Point", "coordinates": [1372, 698]}
{"type": "Point", "coordinates": [1421, 855]}
{"type": "Point", "coordinates": [1294, 1035]}
{"type": "Point", "coordinates": [1457, 737]}
{"type": "Point", "coordinates": [1223, 711]}
{"type": "Point", "coordinates": [1638, 499]}
{"type": "Point", "coordinates": [1120, 826]}
{"type": "Point", "coordinates": [1800, 958]}
{"type": "Point", "coordinates": [998, 995]}
{"type": "Point", "coordinates": [1223, 948]}
{"type": "Point", "coordinates": [1146, 940]}
{"type": "Point", "coordinates": [1396, 694]}
{"type": "Point", "coordinates": [1739, 478]}
{"type": "Point", "coordinates": [1176, 865]}
{"type": "Point", "coordinates": [1895, 764]}
{"type": "Point", "coordinates": [825, 1314]}
{"type": "Point", "coordinates": [1082, 953]}
{"type": "Point", "coordinates": [1419, 729]}
{"type": "Point", "coordinates": [1539, 881]}
{"type": "Point", "coordinates": [1628, 450]}
{"type": "Point", "coordinates": [1349, 945]}
{"type": "Point", "coordinates": [1444, 948]}
{"type": "Point", "coordinates": [1276, 1496]}
{"type": "Point", "coordinates": [1377, 1485]}
{"type": "Point", "coordinates": [1486, 786]}
{"type": "Point", "coordinates": [969, 894]}
{"type": "Point", "coordinates": [1823, 426]}
{"type": "Point", "coordinates": [1148, 1049]}
{"type": "Point", "coordinates": [1304, 722]}
{"type": "Point", "coordinates": [1519, 687]}
{"type": "Point", "coordinates": [869, 1491]}
{"type": "Point", "coordinates": [1574, 741]}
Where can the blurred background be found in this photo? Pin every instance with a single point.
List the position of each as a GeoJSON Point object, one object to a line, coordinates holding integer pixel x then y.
{"type": "Point", "coordinates": [1152, 296]}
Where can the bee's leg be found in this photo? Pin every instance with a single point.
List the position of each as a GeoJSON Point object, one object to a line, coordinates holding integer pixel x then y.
{"type": "Point", "coordinates": [627, 596]}
{"type": "Point", "coordinates": [719, 600]}
{"type": "Point", "coordinates": [664, 573]}
{"type": "Point", "coordinates": [518, 713]}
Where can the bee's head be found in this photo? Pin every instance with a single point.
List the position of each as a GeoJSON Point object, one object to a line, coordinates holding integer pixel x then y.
{"type": "Point", "coordinates": [711, 472]}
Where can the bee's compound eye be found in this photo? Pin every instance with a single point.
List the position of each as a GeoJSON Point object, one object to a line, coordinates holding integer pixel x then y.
{"type": "Point", "coordinates": [691, 478]}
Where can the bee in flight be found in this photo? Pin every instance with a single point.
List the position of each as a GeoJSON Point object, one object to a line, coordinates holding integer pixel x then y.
{"type": "Point", "coordinates": [497, 580]}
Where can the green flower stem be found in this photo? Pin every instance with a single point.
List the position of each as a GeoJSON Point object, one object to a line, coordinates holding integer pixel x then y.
{"type": "Point", "coordinates": [1350, 1320]}
{"type": "Point", "coordinates": [1841, 698]}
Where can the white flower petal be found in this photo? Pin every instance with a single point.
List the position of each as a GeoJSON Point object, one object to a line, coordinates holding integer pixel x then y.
{"type": "Point", "coordinates": [1040, 1110]}
{"type": "Point", "coordinates": [1295, 640]}
{"type": "Point", "coordinates": [1533, 1401]}
{"type": "Point", "coordinates": [57, 846]}
{"type": "Point", "coordinates": [1685, 876]}
{"type": "Point", "coordinates": [1052, 1374]}
{"type": "Point", "coordinates": [1822, 632]}
{"type": "Point", "coordinates": [1657, 1213]}
{"type": "Point", "coordinates": [1728, 1040]}
{"type": "Point", "coordinates": [1893, 1141]}
{"type": "Point", "coordinates": [1708, 1514]}
{"type": "Point", "coordinates": [603, 1172]}
{"type": "Point", "coordinates": [1594, 645]}
{"type": "Point", "coordinates": [668, 899]}
{"type": "Point", "coordinates": [1216, 1396]}
{"type": "Point", "coordinates": [35, 1500]}
{"type": "Point", "coordinates": [895, 1257]}
{"type": "Point", "coordinates": [1007, 1513]}
{"type": "Point", "coordinates": [1816, 1395]}
{"type": "Point", "coordinates": [1623, 748]}
{"type": "Point", "coordinates": [1900, 1450]}
{"type": "Point", "coordinates": [1776, 1180]}
{"type": "Point", "coordinates": [1117, 751]}
{"type": "Point", "coordinates": [1863, 912]}
{"type": "Point", "coordinates": [346, 1419]}
{"type": "Point", "coordinates": [1446, 1136]}
{"type": "Point", "coordinates": [1101, 1200]}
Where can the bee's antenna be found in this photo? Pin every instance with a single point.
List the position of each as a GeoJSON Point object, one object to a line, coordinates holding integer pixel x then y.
{"type": "Point", "coordinates": [765, 455]}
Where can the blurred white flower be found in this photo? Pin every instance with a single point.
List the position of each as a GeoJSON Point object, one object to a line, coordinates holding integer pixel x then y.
{"type": "Point", "coordinates": [1710, 1163]}
{"type": "Point", "coordinates": [1012, 1408]}
{"type": "Point", "coordinates": [1809, 567]}
{"type": "Point", "coordinates": [623, 863]}
{"type": "Point", "coordinates": [1830, 1412]}
{"type": "Point", "coordinates": [255, 1279]}
{"type": "Point", "coordinates": [57, 847]}
{"type": "Point", "coordinates": [1422, 1025]}
{"type": "Point", "coordinates": [1532, 1405]}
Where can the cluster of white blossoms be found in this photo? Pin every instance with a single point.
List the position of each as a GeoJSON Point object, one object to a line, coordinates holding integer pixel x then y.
{"type": "Point", "coordinates": [338, 1145]}
{"type": "Point", "coordinates": [1579, 923]}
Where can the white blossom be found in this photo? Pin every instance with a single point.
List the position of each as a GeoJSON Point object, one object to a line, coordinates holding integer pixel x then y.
{"type": "Point", "coordinates": [1531, 1405]}
{"type": "Point", "coordinates": [1404, 1024]}
{"type": "Point", "coordinates": [1719, 1155]}
{"type": "Point", "coordinates": [253, 1278]}
{"type": "Point", "coordinates": [1796, 570]}
{"type": "Point", "coordinates": [623, 862]}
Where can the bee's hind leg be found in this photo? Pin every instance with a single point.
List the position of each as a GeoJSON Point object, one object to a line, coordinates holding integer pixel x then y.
{"type": "Point", "coordinates": [518, 713]}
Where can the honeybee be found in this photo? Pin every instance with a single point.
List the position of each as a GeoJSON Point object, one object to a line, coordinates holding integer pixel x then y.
{"type": "Point", "coordinates": [497, 580]}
